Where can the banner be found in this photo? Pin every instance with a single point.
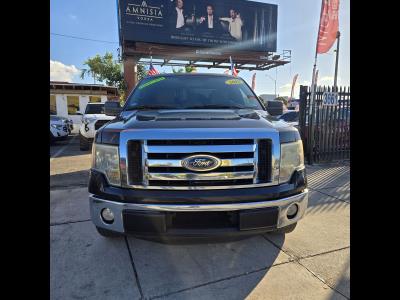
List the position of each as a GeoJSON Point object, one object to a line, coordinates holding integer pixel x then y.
{"type": "Point", "coordinates": [328, 26]}
{"type": "Point", "coordinates": [293, 84]}
{"type": "Point", "coordinates": [244, 25]}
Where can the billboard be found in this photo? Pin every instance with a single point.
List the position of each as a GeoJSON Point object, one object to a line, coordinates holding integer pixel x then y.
{"type": "Point", "coordinates": [240, 24]}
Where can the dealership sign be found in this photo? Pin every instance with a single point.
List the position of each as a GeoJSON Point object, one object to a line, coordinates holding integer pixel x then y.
{"type": "Point", "coordinates": [238, 24]}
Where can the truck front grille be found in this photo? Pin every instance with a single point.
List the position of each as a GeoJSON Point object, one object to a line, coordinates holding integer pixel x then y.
{"type": "Point", "coordinates": [158, 163]}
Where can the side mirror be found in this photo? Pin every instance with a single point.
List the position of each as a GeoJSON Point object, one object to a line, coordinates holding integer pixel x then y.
{"type": "Point", "coordinates": [79, 113]}
{"type": "Point", "coordinates": [274, 108]}
{"type": "Point", "coordinates": [112, 108]}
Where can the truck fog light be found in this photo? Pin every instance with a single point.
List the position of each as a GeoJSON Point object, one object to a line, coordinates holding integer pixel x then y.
{"type": "Point", "coordinates": [107, 215]}
{"type": "Point", "coordinates": [292, 211]}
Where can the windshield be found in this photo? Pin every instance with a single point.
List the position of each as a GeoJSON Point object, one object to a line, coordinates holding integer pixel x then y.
{"type": "Point", "coordinates": [94, 109]}
{"type": "Point", "coordinates": [192, 92]}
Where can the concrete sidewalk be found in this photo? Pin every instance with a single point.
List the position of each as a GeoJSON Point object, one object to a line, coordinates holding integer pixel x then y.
{"type": "Point", "coordinates": [310, 263]}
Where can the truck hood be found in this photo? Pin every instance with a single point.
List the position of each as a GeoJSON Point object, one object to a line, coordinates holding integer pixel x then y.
{"type": "Point", "coordinates": [164, 119]}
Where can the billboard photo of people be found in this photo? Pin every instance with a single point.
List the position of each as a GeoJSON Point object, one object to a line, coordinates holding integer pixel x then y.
{"type": "Point", "coordinates": [204, 23]}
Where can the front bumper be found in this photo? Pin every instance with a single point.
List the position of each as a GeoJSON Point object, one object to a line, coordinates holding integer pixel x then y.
{"type": "Point", "coordinates": [154, 215]}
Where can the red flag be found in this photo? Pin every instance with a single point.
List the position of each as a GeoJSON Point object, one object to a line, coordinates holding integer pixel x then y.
{"type": "Point", "coordinates": [328, 25]}
{"type": "Point", "coordinates": [253, 82]}
{"type": "Point", "coordinates": [293, 84]}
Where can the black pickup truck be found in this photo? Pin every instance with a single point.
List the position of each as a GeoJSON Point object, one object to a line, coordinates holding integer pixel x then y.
{"type": "Point", "coordinates": [195, 155]}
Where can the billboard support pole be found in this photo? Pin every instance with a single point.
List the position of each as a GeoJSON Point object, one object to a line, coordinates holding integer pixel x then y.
{"type": "Point", "coordinates": [130, 73]}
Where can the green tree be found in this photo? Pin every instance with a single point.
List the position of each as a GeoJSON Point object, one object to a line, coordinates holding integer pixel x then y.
{"type": "Point", "coordinates": [282, 99]}
{"type": "Point", "coordinates": [106, 69]}
{"type": "Point", "coordinates": [187, 69]}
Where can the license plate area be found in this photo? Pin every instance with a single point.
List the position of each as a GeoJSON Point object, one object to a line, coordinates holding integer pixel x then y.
{"type": "Point", "coordinates": [258, 218]}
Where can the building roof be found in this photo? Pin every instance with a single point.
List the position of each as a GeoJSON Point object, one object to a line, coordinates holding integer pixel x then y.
{"type": "Point", "coordinates": [83, 87]}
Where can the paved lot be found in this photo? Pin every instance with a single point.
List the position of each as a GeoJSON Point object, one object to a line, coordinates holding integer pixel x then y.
{"type": "Point", "coordinates": [310, 263]}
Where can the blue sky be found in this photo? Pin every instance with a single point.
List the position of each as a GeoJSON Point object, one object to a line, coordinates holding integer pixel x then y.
{"type": "Point", "coordinates": [297, 31]}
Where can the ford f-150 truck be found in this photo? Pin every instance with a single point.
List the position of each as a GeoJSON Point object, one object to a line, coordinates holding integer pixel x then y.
{"type": "Point", "coordinates": [195, 155]}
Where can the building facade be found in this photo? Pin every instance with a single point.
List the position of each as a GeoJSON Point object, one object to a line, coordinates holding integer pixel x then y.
{"type": "Point", "coordinates": [70, 99]}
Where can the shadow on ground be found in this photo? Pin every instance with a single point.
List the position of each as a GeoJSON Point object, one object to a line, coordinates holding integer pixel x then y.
{"type": "Point", "coordinates": [71, 180]}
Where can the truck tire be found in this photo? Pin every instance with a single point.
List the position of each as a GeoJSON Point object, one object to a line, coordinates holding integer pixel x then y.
{"type": "Point", "coordinates": [108, 233]}
{"type": "Point", "coordinates": [286, 229]}
{"type": "Point", "coordinates": [83, 143]}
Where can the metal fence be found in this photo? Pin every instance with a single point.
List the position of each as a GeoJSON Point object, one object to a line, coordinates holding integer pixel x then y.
{"type": "Point", "coordinates": [328, 125]}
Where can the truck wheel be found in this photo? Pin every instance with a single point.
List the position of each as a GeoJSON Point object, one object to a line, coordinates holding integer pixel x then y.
{"type": "Point", "coordinates": [286, 229]}
{"type": "Point", "coordinates": [107, 233]}
{"type": "Point", "coordinates": [83, 143]}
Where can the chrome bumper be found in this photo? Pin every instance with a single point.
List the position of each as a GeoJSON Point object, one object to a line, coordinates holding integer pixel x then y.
{"type": "Point", "coordinates": [97, 204]}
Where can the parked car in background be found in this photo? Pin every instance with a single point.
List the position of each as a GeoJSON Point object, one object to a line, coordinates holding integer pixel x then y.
{"type": "Point", "coordinates": [92, 120]}
{"type": "Point", "coordinates": [67, 122]}
{"type": "Point", "coordinates": [58, 129]}
{"type": "Point", "coordinates": [291, 117]}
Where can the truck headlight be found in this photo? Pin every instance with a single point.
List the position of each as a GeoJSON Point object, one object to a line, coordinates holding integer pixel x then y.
{"type": "Point", "coordinates": [292, 158]}
{"type": "Point", "coordinates": [106, 160]}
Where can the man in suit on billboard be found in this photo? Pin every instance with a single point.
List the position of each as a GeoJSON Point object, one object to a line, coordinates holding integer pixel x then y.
{"type": "Point", "coordinates": [179, 17]}
{"type": "Point", "coordinates": [211, 22]}
{"type": "Point", "coordinates": [235, 24]}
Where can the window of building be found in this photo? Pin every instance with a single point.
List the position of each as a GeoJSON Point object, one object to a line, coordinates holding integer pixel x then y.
{"type": "Point", "coordinates": [53, 105]}
{"type": "Point", "coordinates": [73, 104]}
{"type": "Point", "coordinates": [94, 99]}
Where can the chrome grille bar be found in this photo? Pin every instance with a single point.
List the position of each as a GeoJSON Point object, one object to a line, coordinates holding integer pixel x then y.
{"type": "Point", "coordinates": [235, 162]}
{"type": "Point", "coordinates": [200, 149]}
{"type": "Point", "coordinates": [200, 176]}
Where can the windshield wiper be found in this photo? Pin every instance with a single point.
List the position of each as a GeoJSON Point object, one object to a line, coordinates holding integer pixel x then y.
{"type": "Point", "coordinates": [140, 107]}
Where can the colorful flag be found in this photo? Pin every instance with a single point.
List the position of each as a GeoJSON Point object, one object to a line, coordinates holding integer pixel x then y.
{"type": "Point", "coordinates": [233, 69]}
{"type": "Point", "coordinates": [253, 82]}
{"type": "Point", "coordinates": [328, 25]}
{"type": "Point", "coordinates": [293, 85]}
{"type": "Point", "coordinates": [226, 71]}
{"type": "Point", "coordinates": [152, 71]}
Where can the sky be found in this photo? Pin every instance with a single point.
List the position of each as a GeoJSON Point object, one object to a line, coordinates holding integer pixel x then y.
{"type": "Point", "coordinates": [297, 31]}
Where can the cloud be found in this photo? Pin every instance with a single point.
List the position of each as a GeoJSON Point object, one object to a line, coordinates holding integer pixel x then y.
{"type": "Point", "coordinates": [61, 72]}
{"type": "Point", "coordinates": [327, 79]}
{"type": "Point", "coordinates": [285, 89]}
{"type": "Point", "coordinates": [73, 17]}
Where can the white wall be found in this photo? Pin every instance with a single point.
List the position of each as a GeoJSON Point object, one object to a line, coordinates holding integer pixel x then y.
{"type": "Point", "coordinates": [62, 108]}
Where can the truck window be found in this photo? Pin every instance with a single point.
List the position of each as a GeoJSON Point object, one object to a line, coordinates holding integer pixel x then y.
{"type": "Point", "coordinates": [194, 92]}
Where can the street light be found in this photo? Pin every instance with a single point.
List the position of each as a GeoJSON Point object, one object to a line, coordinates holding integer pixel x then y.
{"type": "Point", "coordinates": [273, 80]}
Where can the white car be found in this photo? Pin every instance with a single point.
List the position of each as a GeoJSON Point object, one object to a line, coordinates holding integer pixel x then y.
{"type": "Point", "coordinates": [92, 120]}
{"type": "Point", "coordinates": [58, 129]}
{"type": "Point", "coordinates": [66, 121]}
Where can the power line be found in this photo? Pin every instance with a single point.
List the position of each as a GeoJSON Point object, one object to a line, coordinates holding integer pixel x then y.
{"type": "Point", "coordinates": [82, 38]}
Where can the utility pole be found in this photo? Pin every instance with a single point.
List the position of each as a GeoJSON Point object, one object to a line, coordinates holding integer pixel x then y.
{"type": "Point", "coordinates": [337, 60]}
{"type": "Point", "coordinates": [273, 80]}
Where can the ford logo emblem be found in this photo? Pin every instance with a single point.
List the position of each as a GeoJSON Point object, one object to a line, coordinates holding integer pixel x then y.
{"type": "Point", "coordinates": [201, 163]}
